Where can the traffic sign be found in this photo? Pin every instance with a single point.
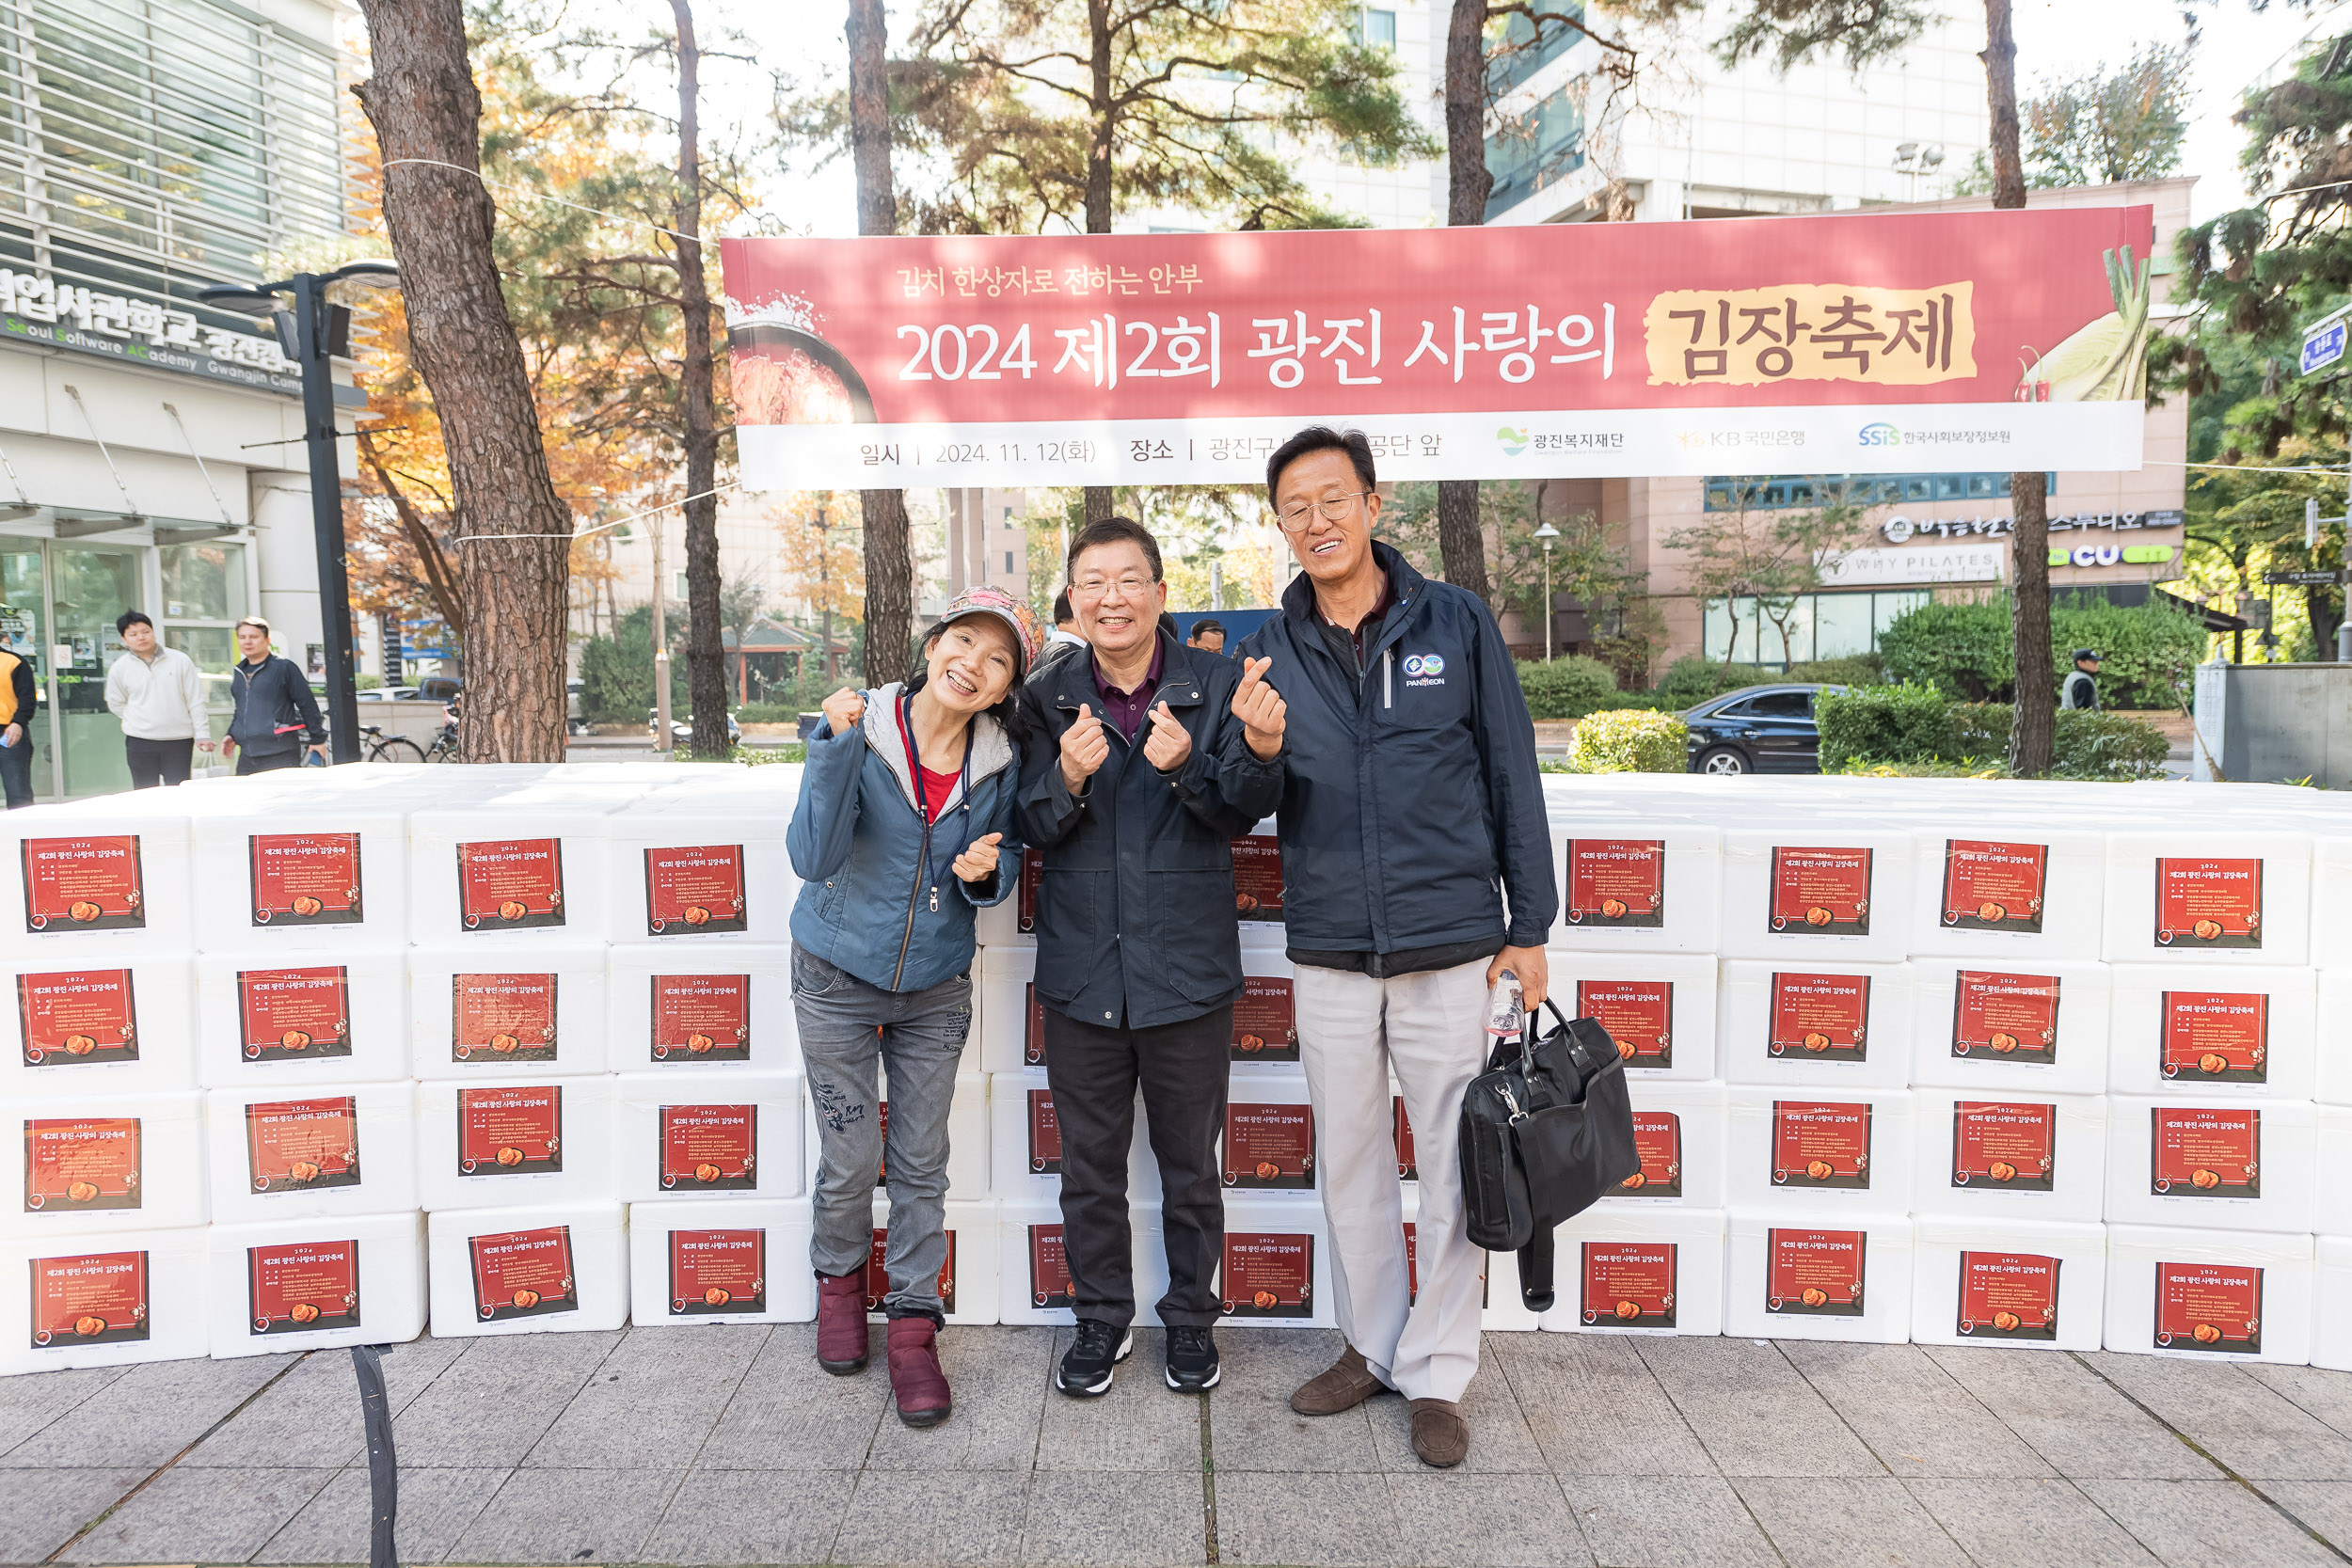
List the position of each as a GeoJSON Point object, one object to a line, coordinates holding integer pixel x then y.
{"type": "Point", "coordinates": [2304, 579]}
{"type": "Point", "coordinates": [2323, 346]}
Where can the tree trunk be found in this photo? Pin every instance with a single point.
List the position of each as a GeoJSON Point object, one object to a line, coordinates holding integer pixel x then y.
{"type": "Point", "coordinates": [2033, 739]}
{"type": "Point", "coordinates": [513, 534]}
{"type": "Point", "coordinates": [705, 651]}
{"type": "Point", "coordinates": [1100, 500]}
{"type": "Point", "coordinates": [889, 548]}
{"type": "Point", "coordinates": [1460, 545]}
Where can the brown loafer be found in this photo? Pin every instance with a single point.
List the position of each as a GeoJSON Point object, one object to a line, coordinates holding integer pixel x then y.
{"type": "Point", "coordinates": [1348, 1383]}
{"type": "Point", "coordinates": [1440, 1436]}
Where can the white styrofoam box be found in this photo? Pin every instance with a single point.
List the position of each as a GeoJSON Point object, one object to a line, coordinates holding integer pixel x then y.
{"type": "Point", "coordinates": [2032, 1284]}
{"type": "Point", "coordinates": [2231, 896]}
{"type": "Point", "coordinates": [2009, 890]}
{"type": "Point", "coordinates": [1625, 1271]}
{"type": "Point", "coordinates": [2331, 1303]}
{"type": "Point", "coordinates": [102, 1299]}
{"type": "Point", "coordinates": [119, 1026]}
{"type": "Point", "coordinates": [2008, 1156]}
{"type": "Point", "coordinates": [1828, 1024]}
{"type": "Point", "coordinates": [731, 1139]}
{"type": "Point", "coordinates": [1011, 1023]}
{"type": "Point", "coordinates": [1683, 1133]}
{"type": "Point", "coordinates": [694, 1263]}
{"type": "Point", "coordinates": [969, 1139]}
{"type": "Point", "coordinates": [2193, 1028]}
{"type": "Point", "coordinates": [1277, 1272]}
{"type": "Point", "coordinates": [1820, 1276]}
{"type": "Point", "coordinates": [277, 1154]}
{"type": "Point", "coordinates": [291, 874]}
{"type": "Point", "coordinates": [316, 1284]}
{"type": "Point", "coordinates": [102, 879]}
{"type": "Point", "coordinates": [2217, 1162]}
{"type": "Point", "coordinates": [1631, 883]}
{"type": "Point", "coordinates": [307, 1019]}
{"type": "Point", "coordinates": [508, 1141]}
{"type": "Point", "coordinates": [701, 870]}
{"type": "Point", "coordinates": [1814, 1151]}
{"type": "Point", "coordinates": [1269, 1144]}
{"type": "Point", "coordinates": [1999, 1024]}
{"type": "Point", "coordinates": [556, 1267]}
{"type": "Point", "coordinates": [968, 1286]}
{"type": "Point", "coordinates": [521, 1005]}
{"type": "Point", "coordinates": [2332, 1031]}
{"type": "Point", "coordinates": [1257, 890]}
{"type": "Point", "coordinates": [95, 1164]}
{"type": "Point", "coordinates": [2212, 1295]}
{"type": "Point", "coordinates": [1660, 1008]}
{"type": "Point", "coordinates": [531, 863]}
{"type": "Point", "coordinates": [1811, 889]}
{"type": "Point", "coordinates": [677, 1007]}
{"type": "Point", "coordinates": [1023, 1143]}
{"type": "Point", "coordinates": [2332, 1200]}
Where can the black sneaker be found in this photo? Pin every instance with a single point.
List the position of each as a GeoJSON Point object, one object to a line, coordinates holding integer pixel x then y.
{"type": "Point", "coordinates": [1192, 1366]}
{"type": "Point", "coordinates": [1085, 1368]}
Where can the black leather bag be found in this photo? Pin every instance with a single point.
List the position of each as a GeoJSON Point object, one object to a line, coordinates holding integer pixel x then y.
{"type": "Point", "coordinates": [1545, 1130]}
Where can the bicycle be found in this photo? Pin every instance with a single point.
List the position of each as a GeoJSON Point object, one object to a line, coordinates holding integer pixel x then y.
{"type": "Point", "coordinates": [389, 748]}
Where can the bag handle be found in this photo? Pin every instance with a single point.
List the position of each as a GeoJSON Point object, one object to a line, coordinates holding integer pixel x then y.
{"type": "Point", "coordinates": [1528, 1035]}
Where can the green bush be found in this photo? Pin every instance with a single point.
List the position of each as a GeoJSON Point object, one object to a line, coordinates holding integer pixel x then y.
{"type": "Point", "coordinates": [1963, 649]}
{"type": "Point", "coordinates": [1630, 741]}
{"type": "Point", "coordinates": [616, 672]}
{"type": "Point", "coordinates": [2107, 746]}
{"type": "Point", "coordinates": [1566, 687]}
{"type": "Point", "coordinates": [1690, 680]}
{"type": "Point", "coordinates": [767, 713]}
{"type": "Point", "coordinates": [1883, 723]}
{"type": "Point", "coordinates": [1858, 670]}
{"type": "Point", "coordinates": [1980, 730]}
{"type": "Point", "coordinates": [1880, 728]}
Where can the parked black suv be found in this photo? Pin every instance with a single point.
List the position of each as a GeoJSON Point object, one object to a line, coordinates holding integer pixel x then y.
{"type": "Point", "coordinates": [1757, 729]}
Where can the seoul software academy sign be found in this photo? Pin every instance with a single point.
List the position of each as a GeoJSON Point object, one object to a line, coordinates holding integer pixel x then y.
{"type": "Point", "coordinates": [37, 309]}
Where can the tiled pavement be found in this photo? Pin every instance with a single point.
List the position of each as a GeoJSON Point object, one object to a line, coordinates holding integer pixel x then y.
{"type": "Point", "coordinates": [728, 1446]}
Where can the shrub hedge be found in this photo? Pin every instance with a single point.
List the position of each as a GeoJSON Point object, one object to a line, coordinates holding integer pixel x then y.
{"type": "Point", "coordinates": [1963, 650]}
{"type": "Point", "coordinates": [1566, 687]}
{"type": "Point", "coordinates": [1913, 724]}
{"type": "Point", "coordinates": [1629, 741]}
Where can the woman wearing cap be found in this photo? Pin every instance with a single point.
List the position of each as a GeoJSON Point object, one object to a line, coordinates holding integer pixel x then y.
{"type": "Point", "coordinates": [898, 837]}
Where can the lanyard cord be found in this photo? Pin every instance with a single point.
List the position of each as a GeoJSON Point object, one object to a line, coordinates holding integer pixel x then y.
{"type": "Point", "coordinates": [922, 796]}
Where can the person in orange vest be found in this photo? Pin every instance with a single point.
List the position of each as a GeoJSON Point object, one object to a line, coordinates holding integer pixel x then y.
{"type": "Point", "coordinates": [18, 698]}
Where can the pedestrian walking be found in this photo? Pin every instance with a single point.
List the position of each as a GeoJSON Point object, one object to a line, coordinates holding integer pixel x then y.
{"type": "Point", "coordinates": [1411, 810]}
{"type": "Point", "coordinates": [275, 714]}
{"type": "Point", "coordinates": [2082, 685]}
{"type": "Point", "coordinates": [905, 806]}
{"type": "Point", "coordinates": [19, 698]}
{"type": "Point", "coordinates": [1149, 755]}
{"type": "Point", "coordinates": [158, 694]}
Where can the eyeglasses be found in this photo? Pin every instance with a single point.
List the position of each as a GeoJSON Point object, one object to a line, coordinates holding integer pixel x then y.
{"type": "Point", "coordinates": [1094, 588]}
{"type": "Point", "coordinates": [1297, 519]}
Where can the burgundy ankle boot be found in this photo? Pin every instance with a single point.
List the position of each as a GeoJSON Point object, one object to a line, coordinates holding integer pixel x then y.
{"type": "Point", "coordinates": [841, 1322]}
{"type": "Point", "coordinates": [920, 1386]}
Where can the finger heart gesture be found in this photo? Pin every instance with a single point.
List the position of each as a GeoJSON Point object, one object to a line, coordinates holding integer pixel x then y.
{"type": "Point", "coordinates": [1260, 709]}
{"type": "Point", "coordinates": [1169, 743]}
{"type": "Point", "coordinates": [979, 860]}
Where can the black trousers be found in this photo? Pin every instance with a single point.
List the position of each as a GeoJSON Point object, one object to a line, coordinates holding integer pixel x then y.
{"type": "Point", "coordinates": [247, 763]}
{"type": "Point", "coordinates": [1093, 1072]}
{"type": "Point", "coordinates": [157, 762]}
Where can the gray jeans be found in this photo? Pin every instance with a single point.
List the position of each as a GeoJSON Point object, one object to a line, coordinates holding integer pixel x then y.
{"type": "Point", "coordinates": [920, 1041]}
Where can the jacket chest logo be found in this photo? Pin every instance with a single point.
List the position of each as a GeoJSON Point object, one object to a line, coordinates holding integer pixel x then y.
{"type": "Point", "coordinates": [1424, 670]}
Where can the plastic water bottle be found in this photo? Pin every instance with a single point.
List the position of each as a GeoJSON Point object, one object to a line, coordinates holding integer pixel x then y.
{"type": "Point", "coordinates": [1506, 1010]}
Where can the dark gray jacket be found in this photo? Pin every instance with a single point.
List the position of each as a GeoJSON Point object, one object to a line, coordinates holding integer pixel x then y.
{"type": "Point", "coordinates": [276, 711]}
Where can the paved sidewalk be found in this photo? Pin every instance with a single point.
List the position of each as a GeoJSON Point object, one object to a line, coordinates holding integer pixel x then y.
{"type": "Point", "coordinates": [729, 1446]}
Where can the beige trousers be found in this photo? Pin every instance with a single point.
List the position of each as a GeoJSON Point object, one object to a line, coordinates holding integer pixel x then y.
{"type": "Point", "coordinates": [1429, 1029]}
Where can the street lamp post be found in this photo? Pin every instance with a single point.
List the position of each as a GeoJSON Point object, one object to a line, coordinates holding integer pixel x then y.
{"type": "Point", "coordinates": [1548, 534]}
{"type": "Point", "coordinates": [311, 333]}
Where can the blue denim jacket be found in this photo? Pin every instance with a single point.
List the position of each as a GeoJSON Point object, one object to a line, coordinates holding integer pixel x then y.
{"type": "Point", "coordinates": [870, 864]}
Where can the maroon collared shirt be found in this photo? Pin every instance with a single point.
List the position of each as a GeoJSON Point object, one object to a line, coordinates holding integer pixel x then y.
{"type": "Point", "coordinates": [1125, 709]}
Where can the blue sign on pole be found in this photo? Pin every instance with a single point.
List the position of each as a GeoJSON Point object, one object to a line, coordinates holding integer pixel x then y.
{"type": "Point", "coordinates": [2323, 347]}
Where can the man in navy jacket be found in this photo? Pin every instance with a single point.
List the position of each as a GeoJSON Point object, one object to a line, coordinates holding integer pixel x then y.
{"type": "Point", "coordinates": [1411, 809]}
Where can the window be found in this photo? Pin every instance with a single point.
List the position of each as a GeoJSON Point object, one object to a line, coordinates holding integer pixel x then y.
{"type": "Point", "coordinates": [1821, 625]}
{"type": "Point", "coordinates": [1783, 704]}
{"type": "Point", "coordinates": [1534, 149]}
{"type": "Point", "coordinates": [1525, 49]}
{"type": "Point", "coordinates": [1376, 29]}
{"type": "Point", "coordinates": [1007, 564]}
{"type": "Point", "coordinates": [1781, 492]}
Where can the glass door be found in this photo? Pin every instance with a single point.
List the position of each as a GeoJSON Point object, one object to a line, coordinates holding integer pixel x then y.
{"type": "Point", "coordinates": [23, 631]}
{"type": "Point", "coordinates": [89, 586]}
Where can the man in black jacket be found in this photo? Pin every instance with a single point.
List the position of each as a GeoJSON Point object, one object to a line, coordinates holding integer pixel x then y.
{"type": "Point", "coordinates": [275, 714]}
{"type": "Point", "coordinates": [1412, 805]}
{"type": "Point", "coordinates": [1145, 759]}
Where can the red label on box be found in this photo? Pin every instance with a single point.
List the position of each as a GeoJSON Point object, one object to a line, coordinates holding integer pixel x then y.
{"type": "Point", "coordinates": [1658, 1138]}
{"type": "Point", "coordinates": [2215, 1307]}
{"type": "Point", "coordinates": [1266, 1025]}
{"type": "Point", "coordinates": [1994, 887]}
{"type": "Point", "coordinates": [510, 1132]}
{"type": "Point", "coordinates": [1269, 1275]}
{"type": "Point", "coordinates": [1270, 1145]}
{"type": "Point", "coordinates": [301, 1145]}
{"type": "Point", "coordinates": [1824, 1016]}
{"type": "Point", "coordinates": [510, 884]}
{"type": "Point", "coordinates": [2004, 1146]}
{"type": "Point", "coordinates": [304, 878]}
{"type": "Point", "coordinates": [1821, 892]}
{"type": "Point", "coordinates": [2004, 1018]}
{"type": "Point", "coordinates": [1630, 1284]}
{"type": "Point", "coordinates": [2008, 1295]}
{"type": "Point", "coordinates": [2217, 1036]}
{"type": "Point", "coordinates": [1258, 876]}
{"type": "Point", "coordinates": [1408, 1161]}
{"type": "Point", "coordinates": [497, 1019]}
{"type": "Point", "coordinates": [1033, 1039]}
{"type": "Point", "coordinates": [85, 884]}
{"type": "Point", "coordinates": [881, 1136]}
{"type": "Point", "coordinates": [2204, 901]}
{"type": "Point", "coordinates": [718, 1273]}
{"type": "Point", "coordinates": [524, 1273]}
{"type": "Point", "coordinates": [81, 1162]}
{"type": "Point", "coordinates": [294, 1015]}
{"type": "Point", "coordinates": [1820, 1143]}
{"type": "Point", "coordinates": [77, 1017]}
{"type": "Point", "coordinates": [1815, 1272]}
{"type": "Point", "coordinates": [702, 1017]}
{"type": "Point", "coordinates": [710, 1148]}
{"type": "Point", "coordinates": [303, 1289]}
{"type": "Point", "coordinates": [1616, 881]}
{"type": "Point", "coordinates": [695, 892]}
{"type": "Point", "coordinates": [878, 1272]}
{"type": "Point", "coordinates": [2197, 1152]}
{"type": "Point", "coordinates": [1638, 1014]}
{"type": "Point", "coordinates": [1049, 1268]}
{"type": "Point", "coordinates": [1044, 1135]}
{"type": "Point", "coordinates": [1412, 1262]}
{"type": "Point", "coordinates": [1024, 893]}
{"type": "Point", "coordinates": [90, 1298]}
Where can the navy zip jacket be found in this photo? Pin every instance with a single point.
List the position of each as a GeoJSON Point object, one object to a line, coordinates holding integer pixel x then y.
{"type": "Point", "coordinates": [275, 710]}
{"type": "Point", "coordinates": [1135, 912]}
{"type": "Point", "coordinates": [1411, 802]}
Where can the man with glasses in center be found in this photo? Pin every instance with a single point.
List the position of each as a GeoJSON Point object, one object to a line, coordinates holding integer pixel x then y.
{"type": "Point", "coordinates": [1411, 808]}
